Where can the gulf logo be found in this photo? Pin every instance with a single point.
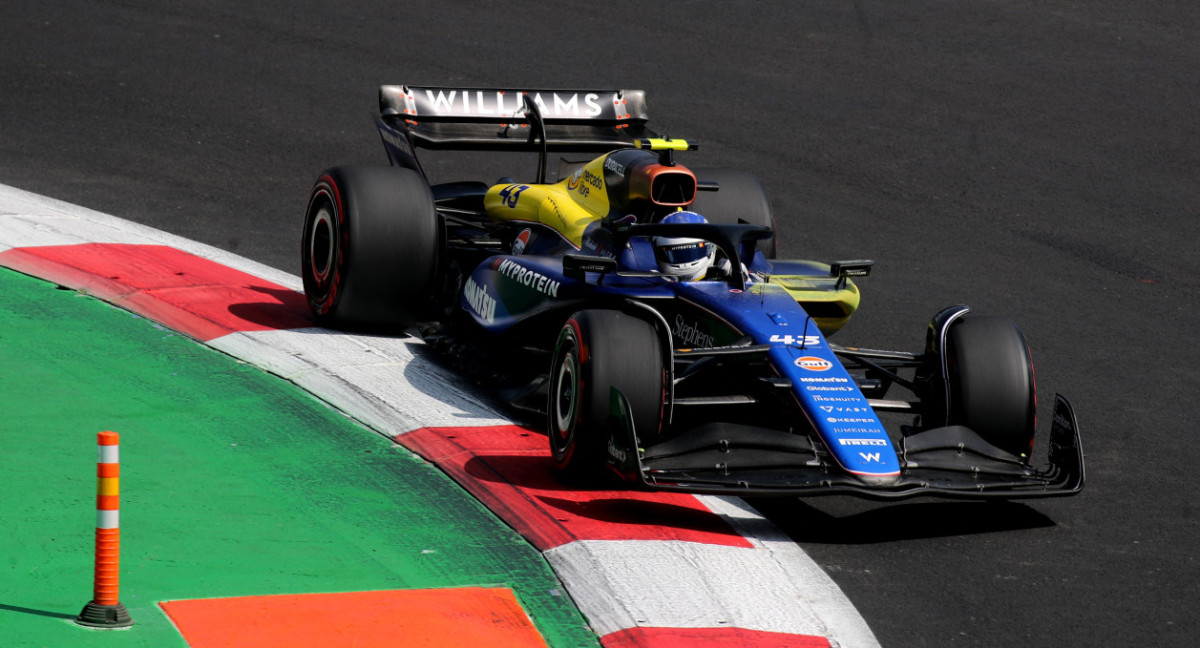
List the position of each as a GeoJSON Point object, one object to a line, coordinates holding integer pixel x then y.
{"type": "Point", "coordinates": [813, 363]}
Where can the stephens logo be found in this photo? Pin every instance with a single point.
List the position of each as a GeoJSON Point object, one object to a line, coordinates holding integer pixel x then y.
{"type": "Point", "coordinates": [691, 334]}
{"type": "Point", "coordinates": [813, 363]}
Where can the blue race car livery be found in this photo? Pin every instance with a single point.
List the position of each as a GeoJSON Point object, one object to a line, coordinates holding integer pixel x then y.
{"type": "Point", "coordinates": [636, 305]}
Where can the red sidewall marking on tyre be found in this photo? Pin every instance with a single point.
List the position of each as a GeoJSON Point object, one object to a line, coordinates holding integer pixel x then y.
{"type": "Point", "coordinates": [510, 470]}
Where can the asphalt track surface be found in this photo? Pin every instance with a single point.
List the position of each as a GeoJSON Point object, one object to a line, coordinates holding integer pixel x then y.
{"type": "Point", "coordinates": [1039, 160]}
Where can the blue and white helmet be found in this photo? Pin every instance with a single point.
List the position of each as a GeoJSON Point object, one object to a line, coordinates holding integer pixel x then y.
{"type": "Point", "coordinates": [685, 258]}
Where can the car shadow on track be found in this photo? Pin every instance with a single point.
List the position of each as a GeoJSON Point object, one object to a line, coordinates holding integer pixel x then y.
{"type": "Point", "coordinates": [280, 309]}
{"type": "Point", "coordinates": [609, 503]}
{"type": "Point", "coordinates": [837, 520]}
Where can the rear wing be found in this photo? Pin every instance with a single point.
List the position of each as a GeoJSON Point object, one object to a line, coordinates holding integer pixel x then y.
{"type": "Point", "coordinates": [498, 119]}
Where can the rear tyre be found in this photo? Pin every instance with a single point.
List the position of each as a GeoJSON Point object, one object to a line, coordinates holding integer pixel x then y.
{"type": "Point", "coordinates": [369, 249]}
{"type": "Point", "coordinates": [992, 387]}
{"type": "Point", "coordinates": [741, 196]}
{"type": "Point", "coordinates": [597, 350]}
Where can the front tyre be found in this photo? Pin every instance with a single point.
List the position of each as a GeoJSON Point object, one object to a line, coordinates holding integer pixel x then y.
{"type": "Point", "coordinates": [991, 382]}
{"type": "Point", "coordinates": [369, 248]}
{"type": "Point", "coordinates": [597, 350]}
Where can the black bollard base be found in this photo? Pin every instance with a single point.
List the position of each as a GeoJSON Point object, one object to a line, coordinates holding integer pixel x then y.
{"type": "Point", "coordinates": [95, 615]}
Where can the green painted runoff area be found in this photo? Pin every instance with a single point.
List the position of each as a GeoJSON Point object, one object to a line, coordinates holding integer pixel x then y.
{"type": "Point", "coordinates": [233, 483]}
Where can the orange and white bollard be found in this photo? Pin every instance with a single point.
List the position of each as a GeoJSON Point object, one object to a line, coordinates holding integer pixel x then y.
{"type": "Point", "coordinates": [105, 609]}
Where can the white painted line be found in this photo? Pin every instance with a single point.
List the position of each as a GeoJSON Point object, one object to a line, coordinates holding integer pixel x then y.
{"type": "Point", "coordinates": [386, 383]}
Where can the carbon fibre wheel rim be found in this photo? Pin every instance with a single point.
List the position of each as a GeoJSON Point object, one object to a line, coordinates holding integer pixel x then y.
{"type": "Point", "coordinates": [321, 245]}
{"type": "Point", "coordinates": [566, 401]}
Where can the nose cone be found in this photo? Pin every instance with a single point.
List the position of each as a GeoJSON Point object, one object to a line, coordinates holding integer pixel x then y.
{"type": "Point", "coordinates": [879, 481]}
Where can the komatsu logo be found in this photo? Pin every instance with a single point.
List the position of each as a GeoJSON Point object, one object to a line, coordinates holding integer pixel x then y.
{"type": "Point", "coordinates": [481, 302]}
{"type": "Point", "coordinates": [495, 102]}
{"type": "Point", "coordinates": [527, 277]}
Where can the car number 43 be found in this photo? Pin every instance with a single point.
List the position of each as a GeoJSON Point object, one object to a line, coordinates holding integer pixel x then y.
{"type": "Point", "coordinates": [511, 193]}
{"type": "Point", "coordinates": [804, 340]}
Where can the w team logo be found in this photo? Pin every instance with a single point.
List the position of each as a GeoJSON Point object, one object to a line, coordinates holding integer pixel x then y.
{"type": "Point", "coordinates": [813, 363]}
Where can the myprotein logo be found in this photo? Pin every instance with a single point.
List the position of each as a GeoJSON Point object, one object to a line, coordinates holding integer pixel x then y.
{"type": "Point", "coordinates": [813, 363]}
{"type": "Point", "coordinates": [530, 278]}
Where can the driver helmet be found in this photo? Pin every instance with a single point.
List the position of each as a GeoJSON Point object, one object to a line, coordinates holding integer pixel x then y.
{"type": "Point", "coordinates": [685, 258]}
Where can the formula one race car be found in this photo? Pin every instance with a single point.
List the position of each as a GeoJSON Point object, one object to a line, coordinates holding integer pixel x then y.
{"type": "Point", "coordinates": [637, 304]}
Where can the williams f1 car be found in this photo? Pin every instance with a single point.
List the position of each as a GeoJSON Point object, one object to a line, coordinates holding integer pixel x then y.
{"type": "Point", "coordinates": [637, 304]}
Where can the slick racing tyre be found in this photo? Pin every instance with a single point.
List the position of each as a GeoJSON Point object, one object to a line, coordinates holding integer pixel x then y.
{"type": "Point", "coordinates": [369, 250]}
{"type": "Point", "coordinates": [597, 350]}
{"type": "Point", "coordinates": [740, 197]}
{"type": "Point", "coordinates": [991, 381]}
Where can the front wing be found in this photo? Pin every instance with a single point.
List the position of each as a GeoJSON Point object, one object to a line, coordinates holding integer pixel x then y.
{"type": "Point", "coordinates": [951, 462]}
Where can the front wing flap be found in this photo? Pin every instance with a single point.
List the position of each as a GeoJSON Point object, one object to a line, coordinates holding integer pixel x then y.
{"type": "Point", "coordinates": [733, 459]}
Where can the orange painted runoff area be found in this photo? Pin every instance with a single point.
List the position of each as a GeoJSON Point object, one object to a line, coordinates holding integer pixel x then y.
{"type": "Point", "coordinates": [437, 618]}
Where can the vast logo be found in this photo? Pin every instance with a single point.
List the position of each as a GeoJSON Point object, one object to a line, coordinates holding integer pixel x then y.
{"type": "Point", "coordinates": [813, 363]}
